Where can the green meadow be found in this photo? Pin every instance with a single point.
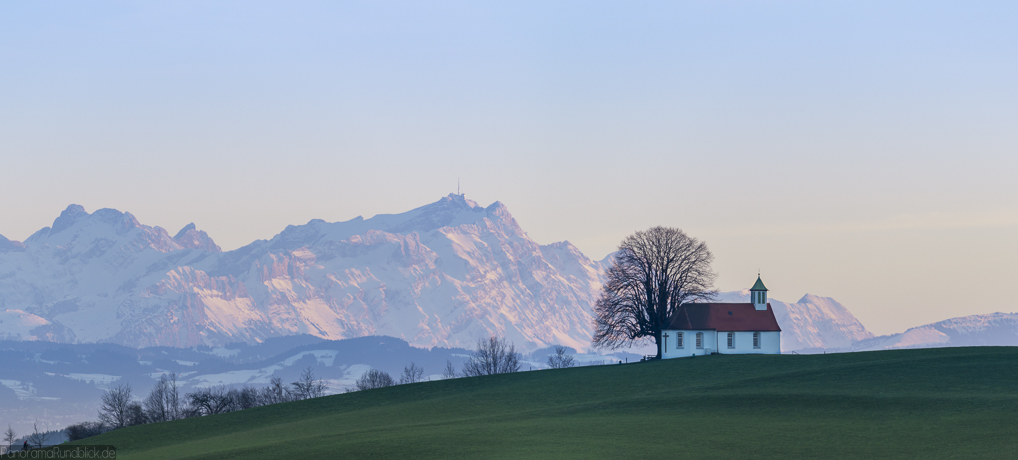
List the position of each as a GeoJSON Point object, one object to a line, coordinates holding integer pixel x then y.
{"type": "Point", "coordinates": [932, 403]}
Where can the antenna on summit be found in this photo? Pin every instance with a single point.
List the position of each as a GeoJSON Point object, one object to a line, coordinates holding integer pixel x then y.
{"type": "Point", "coordinates": [458, 186]}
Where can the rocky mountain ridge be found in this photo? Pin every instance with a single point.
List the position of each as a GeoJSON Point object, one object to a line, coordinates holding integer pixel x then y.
{"type": "Point", "coordinates": [444, 274]}
{"type": "Point", "coordinates": [991, 329]}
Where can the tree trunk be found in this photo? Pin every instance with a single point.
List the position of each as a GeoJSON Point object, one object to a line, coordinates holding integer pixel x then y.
{"type": "Point", "coordinates": [657, 340]}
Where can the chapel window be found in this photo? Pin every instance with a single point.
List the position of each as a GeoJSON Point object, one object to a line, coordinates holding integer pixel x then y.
{"type": "Point", "coordinates": [699, 340]}
{"type": "Point", "coordinates": [756, 340]}
{"type": "Point", "coordinates": [678, 340]}
{"type": "Point", "coordinates": [731, 340]}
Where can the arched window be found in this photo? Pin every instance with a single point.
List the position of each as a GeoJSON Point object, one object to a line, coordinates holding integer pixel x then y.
{"type": "Point", "coordinates": [731, 340]}
{"type": "Point", "coordinates": [678, 340]}
{"type": "Point", "coordinates": [699, 340]}
{"type": "Point", "coordinates": [756, 340]}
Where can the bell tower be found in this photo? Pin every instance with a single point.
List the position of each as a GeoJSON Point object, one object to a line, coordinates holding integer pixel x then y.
{"type": "Point", "coordinates": [758, 294]}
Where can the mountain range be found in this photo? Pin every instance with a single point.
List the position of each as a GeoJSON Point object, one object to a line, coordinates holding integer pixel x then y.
{"type": "Point", "coordinates": [99, 298]}
{"type": "Point", "coordinates": [991, 329]}
{"type": "Point", "coordinates": [445, 274]}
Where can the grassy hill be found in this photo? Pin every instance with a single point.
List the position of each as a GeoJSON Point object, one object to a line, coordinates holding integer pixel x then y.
{"type": "Point", "coordinates": [933, 403]}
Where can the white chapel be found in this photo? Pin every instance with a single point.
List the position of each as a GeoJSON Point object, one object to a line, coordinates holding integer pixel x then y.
{"type": "Point", "coordinates": [726, 328]}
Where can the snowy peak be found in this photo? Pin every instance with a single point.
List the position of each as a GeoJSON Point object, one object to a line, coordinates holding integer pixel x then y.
{"type": "Point", "coordinates": [7, 245]}
{"type": "Point", "coordinates": [812, 323]}
{"type": "Point", "coordinates": [79, 232]}
{"type": "Point", "coordinates": [443, 274]}
{"type": "Point", "coordinates": [191, 238]}
{"type": "Point", "coordinates": [815, 299]}
{"type": "Point", "coordinates": [992, 329]}
{"type": "Point", "coordinates": [184, 231]}
{"type": "Point", "coordinates": [68, 218]}
{"type": "Point", "coordinates": [450, 211]}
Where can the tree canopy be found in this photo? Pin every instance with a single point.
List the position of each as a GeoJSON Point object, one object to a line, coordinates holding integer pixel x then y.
{"type": "Point", "coordinates": [653, 274]}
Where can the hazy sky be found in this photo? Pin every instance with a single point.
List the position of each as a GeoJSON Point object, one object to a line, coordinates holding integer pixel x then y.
{"type": "Point", "coordinates": [866, 151]}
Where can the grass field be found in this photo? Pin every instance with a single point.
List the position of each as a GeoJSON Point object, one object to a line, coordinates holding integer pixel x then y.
{"type": "Point", "coordinates": [933, 403]}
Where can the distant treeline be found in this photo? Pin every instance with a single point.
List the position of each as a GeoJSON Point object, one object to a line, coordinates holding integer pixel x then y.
{"type": "Point", "coordinates": [165, 401]}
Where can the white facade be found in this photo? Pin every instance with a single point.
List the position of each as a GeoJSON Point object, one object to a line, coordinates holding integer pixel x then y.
{"type": "Point", "coordinates": [769, 342]}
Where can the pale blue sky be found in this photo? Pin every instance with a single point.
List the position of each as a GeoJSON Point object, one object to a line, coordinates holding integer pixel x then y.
{"type": "Point", "coordinates": [861, 150]}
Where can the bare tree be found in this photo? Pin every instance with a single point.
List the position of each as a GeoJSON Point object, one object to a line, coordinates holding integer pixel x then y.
{"type": "Point", "coordinates": [211, 400]}
{"type": "Point", "coordinates": [374, 378]}
{"type": "Point", "coordinates": [114, 411]}
{"type": "Point", "coordinates": [9, 436]}
{"type": "Point", "coordinates": [493, 356]}
{"type": "Point", "coordinates": [307, 386]}
{"type": "Point", "coordinates": [173, 400]}
{"type": "Point", "coordinates": [654, 273]}
{"type": "Point", "coordinates": [245, 398]}
{"type": "Point", "coordinates": [275, 393]}
{"type": "Point", "coordinates": [411, 374]}
{"type": "Point", "coordinates": [37, 438]}
{"type": "Point", "coordinates": [560, 360]}
{"type": "Point", "coordinates": [450, 371]}
{"type": "Point", "coordinates": [157, 404]}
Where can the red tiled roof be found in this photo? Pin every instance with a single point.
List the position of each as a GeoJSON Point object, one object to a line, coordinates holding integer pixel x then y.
{"type": "Point", "coordinates": [728, 317]}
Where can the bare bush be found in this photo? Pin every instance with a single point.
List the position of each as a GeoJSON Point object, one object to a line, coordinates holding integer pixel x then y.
{"type": "Point", "coordinates": [560, 359]}
{"type": "Point", "coordinates": [411, 374]}
{"type": "Point", "coordinates": [374, 378]}
{"type": "Point", "coordinates": [245, 398]}
{"type": "Point", "coordinates": [493, 356]}
{"type": "Point", "coordinates": [136, 414]}
{"type": "Point", "coordinates": [84, 430]}
{"type": "Point", "coordinates": [275, 393]}
{"type": "Point", "coordinates": [307, 386]}
{"type": "Point", "coordinates": [450, 371]}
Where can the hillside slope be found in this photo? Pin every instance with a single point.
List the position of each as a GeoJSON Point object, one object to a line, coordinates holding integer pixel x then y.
{"type": "Point", "coordinates": [894, 404]}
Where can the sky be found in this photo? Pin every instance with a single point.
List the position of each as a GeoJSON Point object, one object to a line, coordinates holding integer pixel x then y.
{"type": "Point", "coordinates": [861, 150]}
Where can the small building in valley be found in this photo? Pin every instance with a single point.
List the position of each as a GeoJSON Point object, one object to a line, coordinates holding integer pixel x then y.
{"type": "Point", "coordinates": [727, 328]}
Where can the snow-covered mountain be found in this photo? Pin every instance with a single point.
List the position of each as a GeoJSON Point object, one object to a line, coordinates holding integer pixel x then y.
{"type": "Point", "coordinates": [993, 329]}
{"type": "Point", "coordinates": [444, 274]}
{"type": "Point", "coordinates": [812, 324]}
